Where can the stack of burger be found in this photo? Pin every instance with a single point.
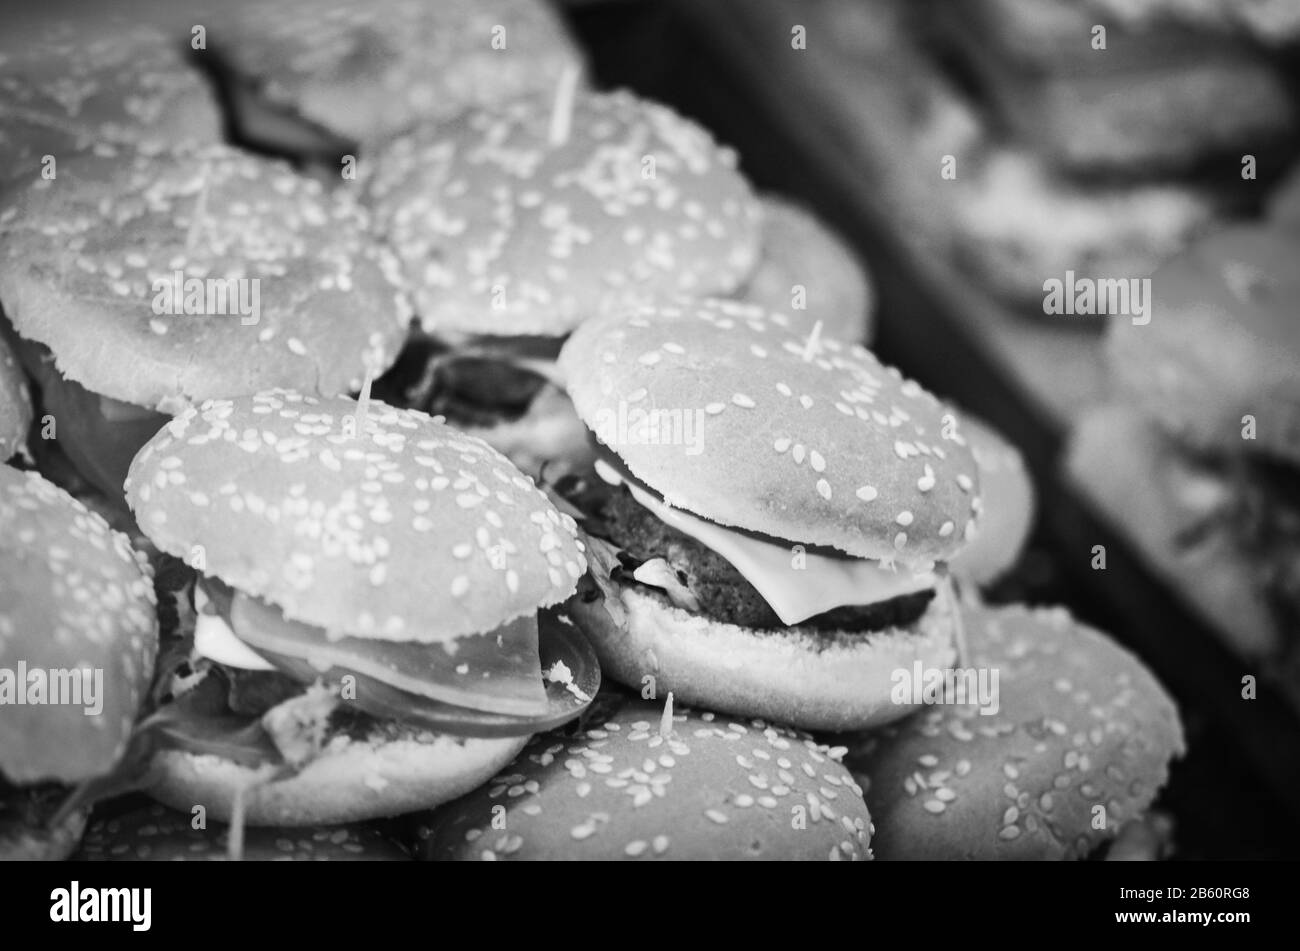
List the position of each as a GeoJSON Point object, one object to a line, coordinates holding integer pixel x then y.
{"type": "Point", "coordinates": [534, 392]}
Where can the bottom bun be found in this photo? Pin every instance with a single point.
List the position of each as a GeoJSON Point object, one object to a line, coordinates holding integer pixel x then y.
{"type": "Point", "coordinates": [350, 782]}
{"type": "Point", "coordinates": [811, 679]}
{"type": "Point", "coordinates": [27, 844]}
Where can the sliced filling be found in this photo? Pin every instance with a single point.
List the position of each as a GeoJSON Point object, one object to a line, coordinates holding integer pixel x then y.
{"type": "Point", "coordinates": [734, 576]}
{"type": "Point", "coordinates": [476, 386]}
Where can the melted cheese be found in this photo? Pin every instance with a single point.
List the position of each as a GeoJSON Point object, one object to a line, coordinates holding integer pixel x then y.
{"type": "Point", "coordinates": [795, 594]}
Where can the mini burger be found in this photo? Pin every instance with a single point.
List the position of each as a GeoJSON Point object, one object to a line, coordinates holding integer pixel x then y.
{"type": "Point", "coordinates": [657, 783]}
{"type": "Point", "coordinates": [517, 223]}
{"type": "Point", "coordinates": [104, 79]}
{"type": "Point", "coordinates": [139, 281]}
{"type": "Point", "coordinates": [1200, 460]}
{"type": "Point", "coordinates": [305, 74]}
{"type": "Point", "coordinates": [1064, 752]}
{"type": "Point", "coordinates": [78, 636]}
{"type": "Point", "coordinates": [15, 403]}
{"type": "Point", "coordinates": [368, 638]}
{"type": "Point", "coordinates": [807, 271]}
{"type": "Point", "coordinates": [770, 515]}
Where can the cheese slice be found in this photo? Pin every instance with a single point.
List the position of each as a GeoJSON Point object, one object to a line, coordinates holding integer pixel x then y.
{"type": "Point", "coordinates": [794, 593]}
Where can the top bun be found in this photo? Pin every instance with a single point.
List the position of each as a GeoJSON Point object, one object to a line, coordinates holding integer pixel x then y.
{"type": "Point", "coordinates": [1081, 731]}
{"type": "Point", "coordinates": [81, 258]}
{"type": "Point", "coordinates": [1223, 343]}
{"type": "Point", "coordinates": [799, 437]}
{"type": "Point", "coordinates": [15, 403]}
{"type": "Point", "coordinates": [501, 231]}
{"type": "Point", "coordinates": [799, 250]}
{"type": "Point", "coordinates": [703, 786]}
{"type": "Point", "coordinates": [73, 596]}
{"type": "Point", "coordinates": [367, 71]}
{"type": "Point", "coordinates": [98, 80]}
{"type": "Point", "coordinates": [394, 527]}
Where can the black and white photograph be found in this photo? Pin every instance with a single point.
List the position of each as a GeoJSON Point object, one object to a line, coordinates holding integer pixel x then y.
{"type": "Point", "coordinates": [651, 431]}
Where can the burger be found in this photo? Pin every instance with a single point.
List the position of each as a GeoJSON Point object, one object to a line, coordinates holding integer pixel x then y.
{"type": "Point", "coordinates": [139, 281]}
{"type": "Point", "coordinates": [105, 79]}
{"type": "Point", "coordinates": [514, 224]}
{"type": "Point", "coordinates": [806, 270]}
{"type": "Point", "coordinates": [1198, 458]}
{"type": "Point", "coordinates": [770, 514]}
{"type": "Point", "coordinates": [309, 76]}
{"type": "Point", "coordinates": [657, 782]}
{"type": "Point", "coordinates": [15, 404]}
{"type": "Point", "coordinates": [1006, 506]}
{"type": "Point", "coordinates": [78, 636]}
{"type": "Point", "coordinates": [367, 638]}
{"type": "Point", "coordinates": [155, 833]}
{"type": "Point", "coordinates": [1059, 749]}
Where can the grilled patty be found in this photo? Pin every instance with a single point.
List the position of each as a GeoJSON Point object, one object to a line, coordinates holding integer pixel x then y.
{"type": "Point", "coordinates": [723, 593]}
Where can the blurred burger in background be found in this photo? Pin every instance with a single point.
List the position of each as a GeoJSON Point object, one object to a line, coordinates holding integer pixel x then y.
{"type": "Point", "coordinates": [1198, 458]}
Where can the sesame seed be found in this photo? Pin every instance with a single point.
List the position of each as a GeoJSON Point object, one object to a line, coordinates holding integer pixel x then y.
{"type": "Point", "coordinates": [824, 489]}
{"type": "Point", "coordinates": [867, 493]}
{"type": "Point", "coordinates": [904, 518]}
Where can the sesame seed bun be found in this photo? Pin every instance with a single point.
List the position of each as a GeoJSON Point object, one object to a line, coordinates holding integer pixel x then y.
{"type": "Point", "coordinates": [73, 595]}
{"type": "Point", "coordinates": [79, 256]}
{"type": "Point", "coordinates": [1081, 724]}
{"type": "Point", "coordinates": [157, 834]}
{"type": "Point", "coordinates": [836, 451]}
{"type": "Point", "coordinates": [15, 403]}
{"type": "Point", "coordinates": [716, 788]}
{"type": "Point", "coordinates": [351, 782]}
{"type": "Point", "coordinates": [407, 531]}
{"type": "Point", "coordinates": [1007, 504]}
{"type": "Point", "coordinates": [25, 843]}
{"type": "Point", "coordinates": [369, 71]}
{"type": "Point", "coordinates": [500, 231]}
{"type": "Point", "coordinates": [112, 80]}
{"type": "Point", "coordinates": [817, 680]}
{"type": "Point", "coordinates": [799, 251]}
{"type": "Point", "coordinates": [1222, 343]}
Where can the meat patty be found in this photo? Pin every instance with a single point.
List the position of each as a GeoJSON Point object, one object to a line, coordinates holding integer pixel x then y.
{"type": "Point", "coordinates": [723, 592]}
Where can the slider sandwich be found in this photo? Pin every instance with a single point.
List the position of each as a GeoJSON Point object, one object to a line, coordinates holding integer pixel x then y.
{"type": "Point", "coordinates": [78, 637]}
{"type": "Point", "coordinates": [368, 638]}
{"type": "Point", "coordinates": [771, 515]}
{"type": "Point", "coordinates": [139, 281]}
{"type": "Point", "coordinates": [515, 224]}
